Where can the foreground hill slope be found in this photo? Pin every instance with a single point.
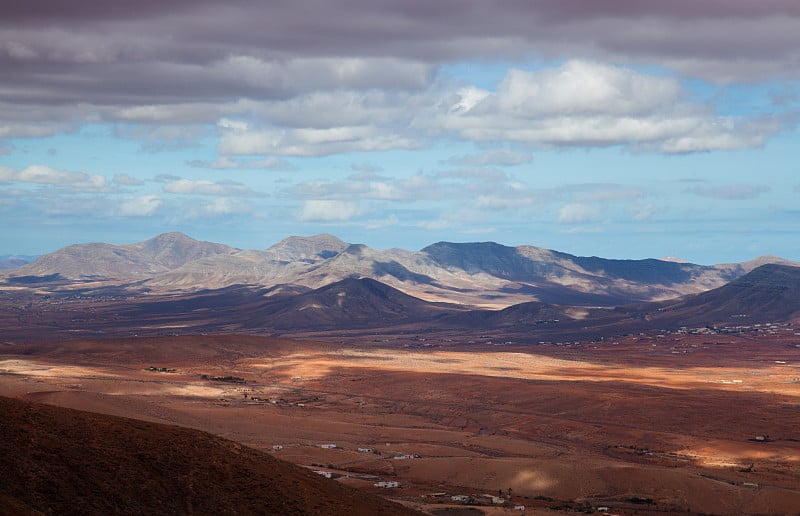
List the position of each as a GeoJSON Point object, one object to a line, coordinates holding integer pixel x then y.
{"type": "Point", "coordinates": [62, 461]}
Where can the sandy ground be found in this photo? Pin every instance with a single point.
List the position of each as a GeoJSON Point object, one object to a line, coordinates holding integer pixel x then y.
{"type": "Point", "coordinates": [641, 424]}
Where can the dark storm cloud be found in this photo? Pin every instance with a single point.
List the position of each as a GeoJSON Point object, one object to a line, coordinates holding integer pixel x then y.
{"type": "Point", "coordinates": [88, 60]}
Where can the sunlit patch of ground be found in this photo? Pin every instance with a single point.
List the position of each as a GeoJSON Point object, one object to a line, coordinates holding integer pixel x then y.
{"type": "Point", "coordinates": [531, 366]}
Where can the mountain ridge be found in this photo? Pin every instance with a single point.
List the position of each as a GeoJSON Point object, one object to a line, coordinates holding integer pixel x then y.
{"type": "Point", "coordinates": [480, 274]}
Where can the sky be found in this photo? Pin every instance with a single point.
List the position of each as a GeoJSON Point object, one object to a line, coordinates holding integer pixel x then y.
{"type": "Point", "coordinates": [613, 128]}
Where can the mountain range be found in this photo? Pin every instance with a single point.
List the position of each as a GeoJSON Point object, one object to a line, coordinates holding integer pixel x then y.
{"type": "Point", "coordinates": [485, 274]}
{"type": "Point", "coordinates": [322, 285]}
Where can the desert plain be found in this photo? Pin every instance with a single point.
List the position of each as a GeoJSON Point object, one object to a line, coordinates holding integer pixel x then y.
{"type": "Point", "coordinates": [655, 423]}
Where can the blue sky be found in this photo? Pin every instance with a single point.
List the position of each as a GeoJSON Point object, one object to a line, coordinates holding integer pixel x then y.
{"type": "Point", "coordinates": [617, 129]}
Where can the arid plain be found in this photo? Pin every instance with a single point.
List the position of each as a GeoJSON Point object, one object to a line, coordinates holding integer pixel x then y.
{"type": "Point", "coordinates": [653, 423]}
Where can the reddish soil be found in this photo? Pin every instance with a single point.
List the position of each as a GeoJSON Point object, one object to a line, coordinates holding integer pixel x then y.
{"type": "Point", "coordinates": [642, 424]}
{"type": "Point", "coordinates": [63, 461]}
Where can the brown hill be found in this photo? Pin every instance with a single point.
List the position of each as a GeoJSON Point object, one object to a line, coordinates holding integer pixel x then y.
{"type": "Point", "coordinates": [769, 293]}
{"type": "Point", "coordinates": [62, 461]}
{"type": "Point", "coordinates": [350, 303]}
{"type": "Point", "coordinates": [528, 314]}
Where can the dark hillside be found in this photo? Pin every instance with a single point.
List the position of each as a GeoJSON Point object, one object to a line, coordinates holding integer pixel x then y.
{"type": "Point", "coordinates": [62, 461]}
{"type": "Point", "coordinates": [769, 293]}
{"type": "Point", "coordinates": [350, 303]}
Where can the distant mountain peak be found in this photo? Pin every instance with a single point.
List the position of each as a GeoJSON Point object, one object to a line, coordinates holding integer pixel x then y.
{"type": "Point", "coordinates": [167, 239]}
{"type": "Point", "coordinates": [311, 248]}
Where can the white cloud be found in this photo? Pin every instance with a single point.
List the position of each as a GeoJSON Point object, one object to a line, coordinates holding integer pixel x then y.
{"type": "Point", "coordinates": [578, 103]}
{"type": "Point", "coordinates": [328, 211]}
{"type": "Point", "coordinates": [580, 87]}
{"type": "Point", "coordinates": [207, 187]}
{"type": "Point", "coordinates": [644, 212]}
{"type": "Point", "coordinates": [230, 163]}
{"type": "Point", "coordinates": [311, 141]}
{"type": "Point", "coordinates": [222, 206]}
{"type": "Point", "coordinates": [142, 206]}
{"type": "Point", "coordinates": [589, 104]}
{"type": "Point", "coordinates": [44, 175]}
{"type": "Point", "coordinates": [576, 213]}
{"type": "Point", "coordinates": [357, 186]}
{"type": "Point", "coordinates": [611, 195]}
{"type": "Point", "coordinates": [503, 202]}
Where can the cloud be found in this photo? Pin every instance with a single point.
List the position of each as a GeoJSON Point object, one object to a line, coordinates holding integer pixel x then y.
{"type": "Point", "coordinates": [252, 51]}
{"type": "Point", "coordinates": [644, 212]}
{"type": "Point", "coordinates": [589, 104]}
{"type": "Point", "coordinates": [225, 188]}
{"type": "Point", "coordinates": [435, 225]}
{"type": "Point", "coordinates": [358, 186]}
{"type": "Point", "coordinates": [328, 211]}
{"type": "Point", "coordinates": [576, 213]}
{"type": "Point", "coordinates": [386, 222]}
{"type": "Point", "coordinates": [316, 79]}
{"type": "Point", "coordinates": [575, 104]}
{"type": "Point", "coordinates": [126, 180]}
{"type": "Point", "coordinates": [44, 175]}
{"type": "Point", "coordinates": [229, 163]}
{"type": "Point", "coordinates": [142, 206]}
{"type": "Point", "coordinates": [157, 138]}
{"type": "Point", "coordinates": [215, 208]}
{"type": "Point", "coordinates": [496, 157]}
{"type": "Point", "coordinates": [497, 202]}
{"type": "Point", "coordinates": [313, 141]}
{"type": "Point", "coordinates": [166, 178]}
{"type": "Point", "coordinates": [611, 194]}
{"type": "Point", "coordinates": [733, 192]}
